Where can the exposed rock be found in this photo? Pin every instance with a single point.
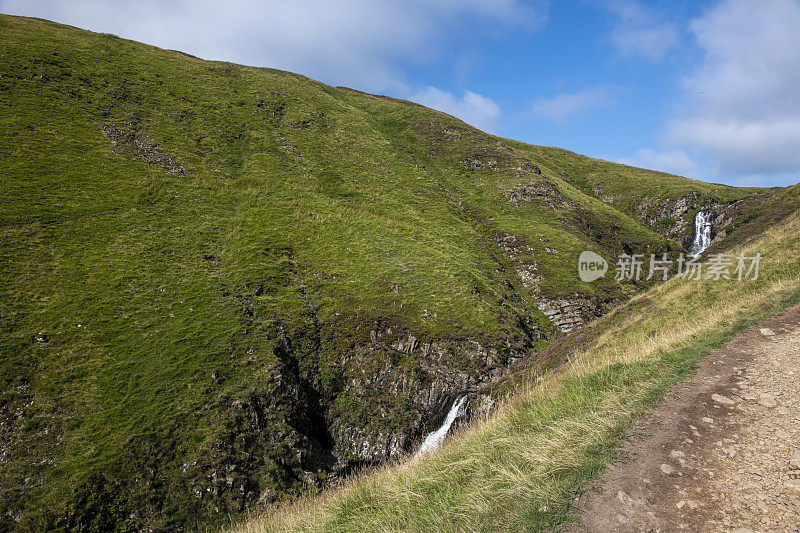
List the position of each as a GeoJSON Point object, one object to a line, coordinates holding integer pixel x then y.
{"type": "Point", "coordinates": [442, 371]}
{"type": "Point", "coordinates": [570, 313]}
{"type": "Point", "coordinates": [476, 162]}
{"type": "Point", "coordinates": [624, 498]}
{"type": "Point", "coordinates": [526, 169]}
{"type": "Point", "coordinates": [286, 144]}
{"type": "Point", "coordinates": [451, 133]}
{"type": "Point", "coordinates": [677, 454]}
{"type": "Point", "coordinates": [512, 247]}
{"type": "Point", "coordinates": [654, 213]}
{"type": "Point", "coordinates": [724, 400]}
{"type": "Point", "coordinates": [543, 192]}
{"type": "Point", "coordinates": [597, 188]}
{"type": "Point", "coordinates": [671, 216]}
{"type": "Point", "coordinates": [441, 131]}
{"type": "Point", "coordinates": [141, 148]}
{"type": "Point", "coordinates": [667, 469]}
{"type": "Point", "coordinates": [521, 255]}
{"type": "Point", "coordinates": [527, 275]}
{"type": "Point", "coordinates": [495, 159]}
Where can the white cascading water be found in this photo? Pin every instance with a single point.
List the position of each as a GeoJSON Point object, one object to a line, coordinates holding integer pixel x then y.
{"type": "Point", "coordinates": [702, 233]}
{"type": "Point", "coordinates": [436, 438]}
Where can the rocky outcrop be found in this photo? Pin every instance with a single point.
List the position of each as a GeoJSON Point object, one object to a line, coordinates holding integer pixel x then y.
{"type": "Point", "coordinates": [520, 254]}
{"type": "Point", "coordinates": [397, 388]}
{"type": "Point", "coordinates": [569, 314]}
{"type": "Point", "coordinates": [598, 189]}
{"type": "Point", "coordinates": [526, 169]}
{"type": "Point", "coordinates": [670, 215]}
{"type": "Point", "coordinates": [141, 148]}
{"type": "Point", "coordinates": [542, 192]}
{"type": "Point", "coordinates": [479, 162]}
{"type": "Point", "coordinates": [674, 217]}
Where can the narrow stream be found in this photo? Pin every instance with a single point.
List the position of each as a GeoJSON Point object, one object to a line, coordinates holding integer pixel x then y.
{"type": "Point", "coordinates": [436, 438]}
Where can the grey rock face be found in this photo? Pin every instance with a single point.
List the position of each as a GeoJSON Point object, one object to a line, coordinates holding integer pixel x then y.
{"type": "Point", "coordinates": [141, 148]}
{"type": "Point", "coordinates": [653, 213]}
{"type": "Point", "coordinates": [543, 192]}
{"type": "Point", "coordinates": [521, 256]}
{"type": "Point", "coordinates": [443, 370]}
{"type": "Point", "coordinates": [672, 217]}
{"type": "Point", "coordinates": [570, 313]}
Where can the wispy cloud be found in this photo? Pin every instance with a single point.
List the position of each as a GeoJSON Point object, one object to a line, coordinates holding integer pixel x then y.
{"type": "Point", "coordinates": [672, 161]}
{"type": "Point", "coordinates": [561, 107]}
{"type": "Point", "coordinates": [472, 108]}
{"type": "Point", "coordinates": [640, 31]}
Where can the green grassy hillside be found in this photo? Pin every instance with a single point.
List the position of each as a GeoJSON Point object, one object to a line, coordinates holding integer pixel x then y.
{"type": "Point", "coordinates": [214, 279]}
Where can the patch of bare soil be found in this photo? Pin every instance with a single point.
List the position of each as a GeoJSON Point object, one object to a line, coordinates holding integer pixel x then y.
{"type": "Point", "coordinates": [720, 453]}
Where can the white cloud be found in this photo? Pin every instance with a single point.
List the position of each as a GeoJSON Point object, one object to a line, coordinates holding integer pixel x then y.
{"type": "Point", "coordinates": [360, 43]}
{"type": "Point", "coordinates": [560, 107]}
{"type": "Point", "coordinates": [746, 145]}
{"type": "Point", "coordinates": [640, 32]}
{"type": "Point", "coordinates": [767, 180]}
{"type": "Point", "coordinates": [742, 104]}
{"type": "Point", "coordinates": [472, 108]}
{"type": "Point", "coordinates": [674, 162]}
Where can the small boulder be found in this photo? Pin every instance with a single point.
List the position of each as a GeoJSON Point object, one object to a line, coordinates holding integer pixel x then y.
{"type": "Point", "coordinates": [794, 462]}
{"type": "Point", "coordinates": [624, 498]}
{"type": "Point", "coordinates": [667, 469]}
{"type": "Point", "coordinates": [724, 400]}
{"type": "Point", "coordinates": [677, 454]}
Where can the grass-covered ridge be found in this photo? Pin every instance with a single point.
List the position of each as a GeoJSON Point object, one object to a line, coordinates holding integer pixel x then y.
{"type": "Point", "coordinates": [193, 256]}
{"type": "Point", "coordinates": [520, 469]}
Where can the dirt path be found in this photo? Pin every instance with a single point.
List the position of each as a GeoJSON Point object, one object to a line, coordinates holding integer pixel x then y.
{"type": "Point", "coordinates": [720, 453]}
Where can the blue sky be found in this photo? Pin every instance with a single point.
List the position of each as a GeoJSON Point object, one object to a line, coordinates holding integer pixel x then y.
{"type": "Point", "coordinates": [705, 89]}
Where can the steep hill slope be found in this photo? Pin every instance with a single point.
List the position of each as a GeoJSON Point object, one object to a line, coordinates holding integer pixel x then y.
{"type": "Point", "coordinates": [523, 468]}
{"type": "Point", "coordinates": [222, 285]}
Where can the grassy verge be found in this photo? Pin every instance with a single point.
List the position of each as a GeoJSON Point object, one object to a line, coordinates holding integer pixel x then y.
{"type": "Point", "coordinates": [521, 468]}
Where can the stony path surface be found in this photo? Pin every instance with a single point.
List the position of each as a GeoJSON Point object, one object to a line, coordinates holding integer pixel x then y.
{"type": "Point", "coordinates": [720, 453]}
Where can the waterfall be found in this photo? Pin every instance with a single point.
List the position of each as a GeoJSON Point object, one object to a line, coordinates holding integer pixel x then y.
{"type": "Point", "coordinates": [435, 438]}
{"type": "Point", "coordinates": [702, 233]}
